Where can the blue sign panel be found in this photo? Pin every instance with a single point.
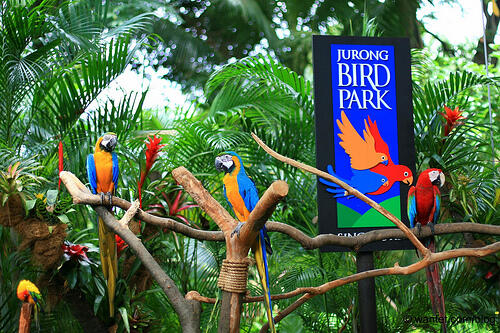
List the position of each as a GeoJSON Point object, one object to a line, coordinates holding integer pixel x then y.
{"type": "Point", "coordinates": [364, 131]}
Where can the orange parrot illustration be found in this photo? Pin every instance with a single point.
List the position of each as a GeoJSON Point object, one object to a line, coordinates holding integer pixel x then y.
{"type": "Point", "coordinates": [361, 150]}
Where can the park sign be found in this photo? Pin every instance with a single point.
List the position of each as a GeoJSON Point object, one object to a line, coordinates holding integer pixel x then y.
{"type": "Point", "coordinates": [364, 133]}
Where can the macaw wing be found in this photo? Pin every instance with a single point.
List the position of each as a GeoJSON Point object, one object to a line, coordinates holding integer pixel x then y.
{"type": "Point", "coordinates": [380, 145]}
{"type": "Point", "coordinates": [351, 141]}
{"type": "Point", "coordinates": [91, 173]}
{"type": "Point", "coordinates": [116, 170]}
{"type": "Point", "coordinates": [360, 150]}
{"type": "Point", "coordinates": [248, 191]}
{"type": "Point", "coordinates": [437, 196]}
{"type": "Point", "coordinates": [412, 206]}
{"type": "Point", "coordinates": [35, 296]}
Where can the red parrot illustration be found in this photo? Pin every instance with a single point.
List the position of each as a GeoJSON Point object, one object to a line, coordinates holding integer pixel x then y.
{"type": "Point", "coordinates": [392, 172]}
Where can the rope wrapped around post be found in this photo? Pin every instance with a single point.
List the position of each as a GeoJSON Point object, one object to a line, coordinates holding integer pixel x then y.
{"type": "Point", "coordinates": [234, 275]}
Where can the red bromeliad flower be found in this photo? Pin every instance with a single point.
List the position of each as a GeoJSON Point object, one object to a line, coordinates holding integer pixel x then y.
{"type": "Point", "coordinates": [61, 163]}
{"type": "Point", "coordinates": [452, 119]}
{"type": "Point", "coordinates": [175, 206]}
{"type": "Point", "coordinates": [76, 251]}
{"type": "Point", "coordinates": [153, 147]}
{"type": "Point", "coordinates": [120, 245]}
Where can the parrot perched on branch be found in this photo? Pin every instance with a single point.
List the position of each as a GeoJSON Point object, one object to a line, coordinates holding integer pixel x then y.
{"type": "Point", "coordinates": [102, 170]}
{"type": "Point", "coordinates": [424, 201]}
{"type": "Point", "coordinates": [241, 194]}
{"type": "Point", "coordinates": [29, 293]}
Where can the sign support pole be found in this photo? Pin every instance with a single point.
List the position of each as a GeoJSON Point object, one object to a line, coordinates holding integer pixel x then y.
{"type": "Point", "coordinates": [366, 294]}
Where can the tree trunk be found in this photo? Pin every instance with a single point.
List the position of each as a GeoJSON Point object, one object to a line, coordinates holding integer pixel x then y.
{"type": "Point", "coordinates": [230, 312]}
{"type": "Point", "coordinates": [407, 13]}
{"type": "Point", "coordinates": [25, 318]}
{"type": "Point", "coordinates": [492, 22]}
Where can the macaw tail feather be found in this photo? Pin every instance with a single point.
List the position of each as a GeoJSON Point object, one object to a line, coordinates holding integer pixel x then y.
{"type": "Point", "coordinates": [261, 261]}
{"type": "Point", "coordinates": [109, 262]}
{"type": "Point", "coordinates": [36, 308]}
{"type": "Point", "coordinates": [435, 287]}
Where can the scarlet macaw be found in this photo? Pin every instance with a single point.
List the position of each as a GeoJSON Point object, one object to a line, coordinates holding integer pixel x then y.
{"type": "Point", "coordinates": [102, 170]}
{"type": "Point", "coordinates": [28, 292]}
{"type": "Point", "coordinates": [361, 151]}
{"type": "Point", "coordinates": [365, 181]}
{"type": "Point", "coordinates": [424, 201]}
{"type": "Point", "coordinates": [241, 194]}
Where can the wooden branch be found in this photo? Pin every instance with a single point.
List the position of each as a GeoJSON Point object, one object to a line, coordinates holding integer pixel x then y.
{"type": "Point", "coordinates": [187, 310]}
{"type": "Point", "coordinates": [82, 195]}
{"type": "Point", "coordinates": [129, 214]}
{"type": "Point", "coordinates": [263, 211]}
{"type": "Point", "coordinates": [25, 318]}
{"type": "Point", "coordinates": [429, 259]}
{"type": "Point", "coordinates": [396, 270]}
{"type": "Point", "coordinates": [355, 243]}
{"type": "Point", "coordinates": [206, 202]}
{"type": "Point", "coordinates": [351, 190]}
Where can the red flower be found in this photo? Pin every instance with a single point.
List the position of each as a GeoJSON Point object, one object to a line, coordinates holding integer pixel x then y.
{"type": "Point", "coordinates": [120, 245]}
{"type": "Point", "coordinates": [76, 251]}
{"type": "Point", "coordinates": [61, 163]}
{"type": "Point", "coordinates": [488, 275]}
{"type": "Point", "coordinates": [452, 119]}
{"type": "Point", "coordinates": [153, 147]}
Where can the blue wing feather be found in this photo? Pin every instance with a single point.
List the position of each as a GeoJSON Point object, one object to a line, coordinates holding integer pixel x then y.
{"type": "Point", "coordinates": [116, 170]}
{"type": "Point", "coordinates": [438, 206]}
{"type": "Point", "coordinates": [91, 173]}
{"type": "Point", "coordinates": [412, 206]}
{"type": "Point", "coordinates": [248, 191]}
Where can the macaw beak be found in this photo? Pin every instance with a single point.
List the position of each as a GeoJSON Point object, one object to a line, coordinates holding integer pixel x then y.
{"type": "Point", "coordinates": [408, 181]}
{"type": "Point", "coordinates": [439, 181]}
{"type": "Point", "coordinates": [386, 184]}
{"type": "Point", "coordinates": [224, 163]}
{"type": "Point", "coordinates": [109, 143]}
{"type": "Point", "coordinates": [386, 162]}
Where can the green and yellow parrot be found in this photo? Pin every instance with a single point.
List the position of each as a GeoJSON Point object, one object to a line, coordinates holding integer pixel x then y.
{"type": "Point", "coordinates": [241, 194]}
{"type": "Point", "coordinates": [102, 171]}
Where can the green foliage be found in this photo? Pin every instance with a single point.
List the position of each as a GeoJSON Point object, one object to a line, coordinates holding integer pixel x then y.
{"type": "Point", "coordinates": [19, 178]}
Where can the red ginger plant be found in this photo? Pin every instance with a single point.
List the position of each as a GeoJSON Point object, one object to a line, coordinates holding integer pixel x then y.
{"type": "Point", "coordinates": [452, 118]}
{"type": "Point", "coordinates": [153, 147]}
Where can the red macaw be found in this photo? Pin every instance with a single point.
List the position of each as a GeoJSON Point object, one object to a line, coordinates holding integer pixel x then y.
{"type": "Point", "coordinates": [392, 172]}
{"type": "Point", "coordinates": [102, 170]}
{"type": "Point", "coordinates": [29, 293]}
{"type": "Point", "coordinates": [424, 201]}
{"type": "Point", "coordinates": [241, 194]}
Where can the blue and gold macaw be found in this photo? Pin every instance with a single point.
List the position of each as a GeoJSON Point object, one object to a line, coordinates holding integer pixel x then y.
{"type": "Point", "coordinates": [241, 194]}
{"type": "Point", "coordinates": [102, 170]}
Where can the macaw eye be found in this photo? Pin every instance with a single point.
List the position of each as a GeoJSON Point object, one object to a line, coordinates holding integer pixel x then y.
{"type": "Point", "coordinates": [383, 158]}
{"type": "Point", "coordinates": [406, 174]}
{"type": "Point", "coordinates": [383, 180]}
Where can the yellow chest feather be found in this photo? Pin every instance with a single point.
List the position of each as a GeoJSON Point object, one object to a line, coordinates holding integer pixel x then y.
{"type": "Point", "coordinates": [234, 197]}
{"type": "Point", "coordinates": [104, 171]}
